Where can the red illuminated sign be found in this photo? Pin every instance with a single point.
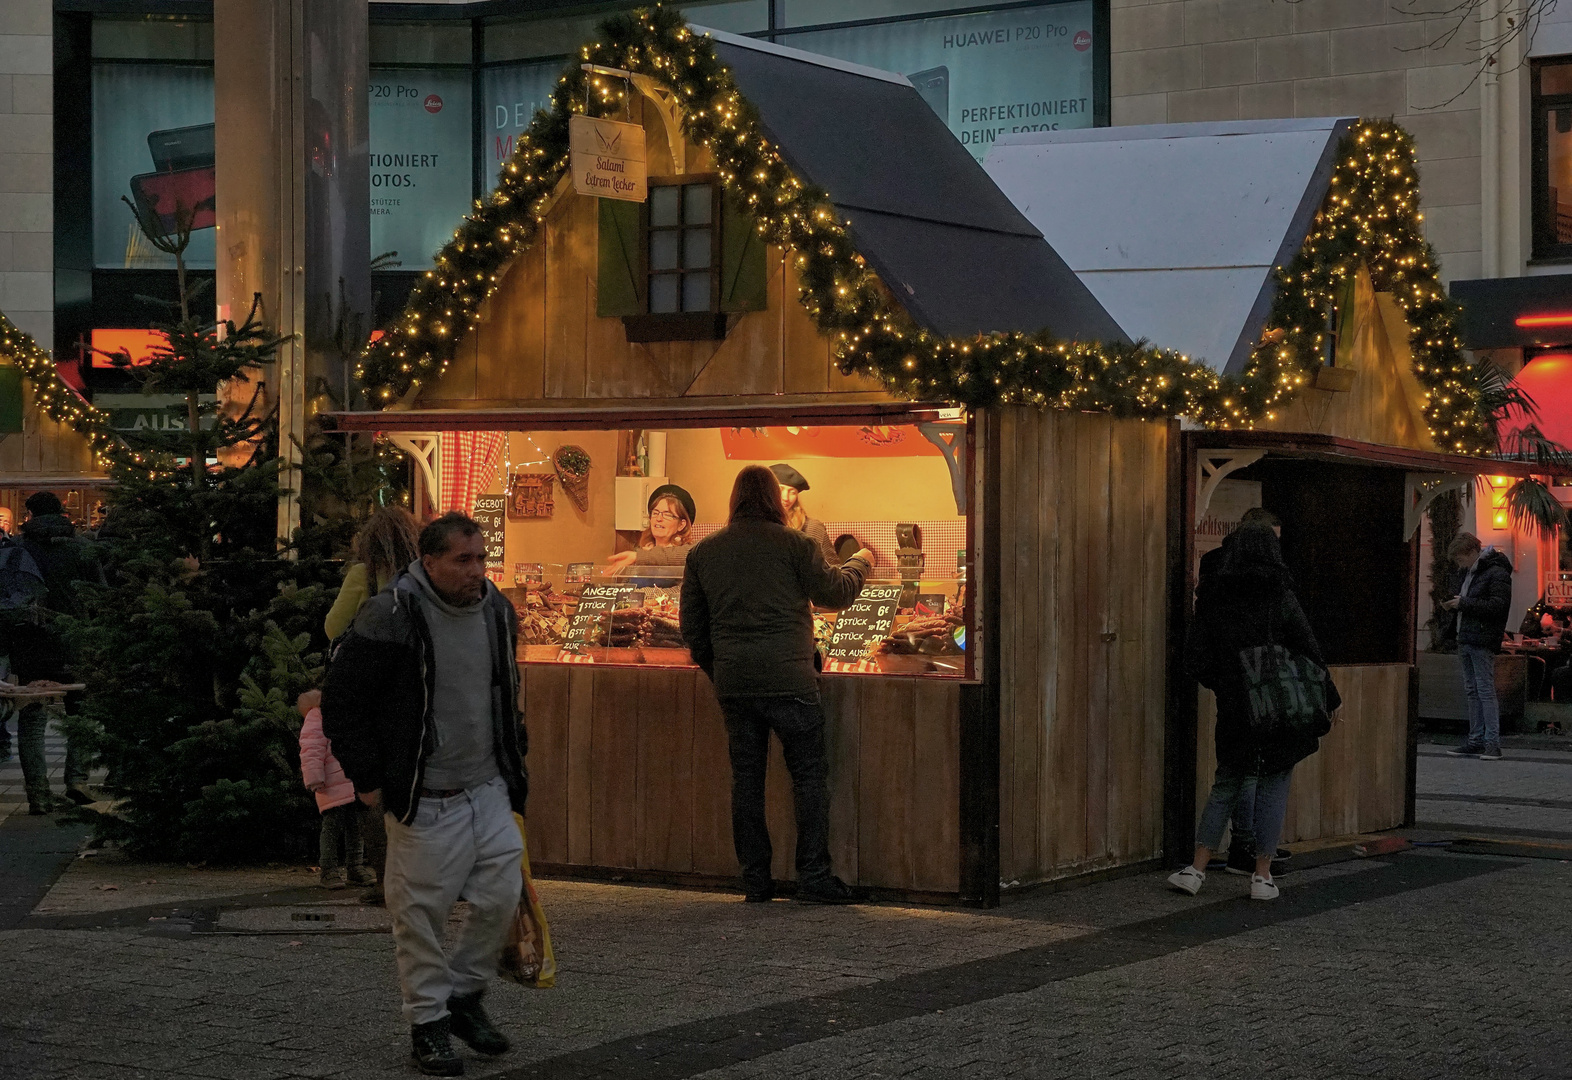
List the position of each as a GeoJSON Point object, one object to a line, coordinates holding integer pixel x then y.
{"type": "Point", "coordinates": [1543, 320]}
{"type": "Point", "coordinates": [139, 345]}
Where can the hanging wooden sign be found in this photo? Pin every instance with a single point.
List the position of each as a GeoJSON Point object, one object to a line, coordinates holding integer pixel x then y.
{"type": "Point", "coordinates": [529, 495]}
{"type": "Point", "coordinates": [607, 158]}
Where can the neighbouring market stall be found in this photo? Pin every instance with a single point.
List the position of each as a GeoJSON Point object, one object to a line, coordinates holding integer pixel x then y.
{"type": "Point", "coordinates": [1179, 233]}
{"type": "Point", "coordinates": [836, 286]}
{"type": "Point", "coordinates": [40, 453]}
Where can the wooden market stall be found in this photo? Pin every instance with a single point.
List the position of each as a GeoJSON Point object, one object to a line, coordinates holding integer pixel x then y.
{"type": "Point", "coordinates": [38, 453]}
{"type": "Point", "coordinates": [1184, 231]}
{"type": "Point", "coordinates": [1026, 747]}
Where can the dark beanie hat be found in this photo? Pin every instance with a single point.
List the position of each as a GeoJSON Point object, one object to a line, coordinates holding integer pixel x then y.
{"type": "Point", "coordinates": [676, 493]}
{"type": "Point", "coordinates": [42, 503]}
{"type": "Point", "coordinates": [785, 474]}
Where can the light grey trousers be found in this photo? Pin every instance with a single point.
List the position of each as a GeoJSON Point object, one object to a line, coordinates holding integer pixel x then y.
{"type": "Point", "coordinates": [466, 845]}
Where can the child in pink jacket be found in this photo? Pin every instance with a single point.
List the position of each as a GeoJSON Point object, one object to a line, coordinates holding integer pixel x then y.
{"type": "Point", "coordinates": [343, 855]}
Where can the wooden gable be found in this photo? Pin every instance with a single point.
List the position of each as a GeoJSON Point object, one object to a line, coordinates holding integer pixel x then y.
{"type": "Point", "coordinates": [1384, 402]}
{"type": "Point", "coordinates": [539, 337]}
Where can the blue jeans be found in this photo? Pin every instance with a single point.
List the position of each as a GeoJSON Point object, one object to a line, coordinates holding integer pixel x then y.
{"type": "Point", "coordinates": [1479, 684]}
{"type": "Point", "coordinates": [799, 724]}
{"type": "Point", "coordinates": [1269, 806]}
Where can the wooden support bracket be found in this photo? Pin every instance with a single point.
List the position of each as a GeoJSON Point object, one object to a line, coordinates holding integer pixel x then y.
{"type": "Point", "coordinates": [951, 441]}
{"type": "Point", "coordinates": [665, 103]}
{"type": "Point", "coordinates": [1421, 489]}
{"type": "Point", "coordinates": [1212, 467]}
{"type": "Point", "coordinates": [425, 448]}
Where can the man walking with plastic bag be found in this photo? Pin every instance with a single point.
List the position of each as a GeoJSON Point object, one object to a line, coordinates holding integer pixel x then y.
{"type": "Point", "coordinates": [421, 706]}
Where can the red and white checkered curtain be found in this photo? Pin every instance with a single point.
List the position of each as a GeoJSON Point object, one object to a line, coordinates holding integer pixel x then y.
{"type": "Point", "coordinates": [469, 462]}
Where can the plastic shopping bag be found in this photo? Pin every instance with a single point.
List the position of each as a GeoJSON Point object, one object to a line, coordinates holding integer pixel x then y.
{"type": "Point", "coordinates": [527, 958]}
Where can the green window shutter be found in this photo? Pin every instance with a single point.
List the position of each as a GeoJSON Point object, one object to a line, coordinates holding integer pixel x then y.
{"type": "Point", "coordinates": [621, 267]}
{"type": "Point", "coordinates": [10, 399]}
{"type": "Point", "coordinates": [744, 274]}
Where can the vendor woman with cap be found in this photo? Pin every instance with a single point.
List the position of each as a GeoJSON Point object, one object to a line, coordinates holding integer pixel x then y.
{"type": "Point", "coordinates": [793, 484]}
{"type": "Point", "coordinates": [668, 538]}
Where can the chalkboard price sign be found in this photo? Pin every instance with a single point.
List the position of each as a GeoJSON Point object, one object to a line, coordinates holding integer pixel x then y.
{"type": "Point", "coordinates": [596, 603]}
{"type": "Point", "coordinates": [491, 513]}
{"type": "Point", "coordinates": [867, 621]}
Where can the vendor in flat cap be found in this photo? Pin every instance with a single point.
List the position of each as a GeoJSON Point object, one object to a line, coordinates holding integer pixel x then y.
{"type": "Point", "coordinates": [793, 484]}
{"type": "Point", "coordinates": [668, 537]}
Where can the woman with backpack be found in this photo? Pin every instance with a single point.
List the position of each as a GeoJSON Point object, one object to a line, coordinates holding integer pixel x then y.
{"type": "Point", "coordinates": [1250, 643]}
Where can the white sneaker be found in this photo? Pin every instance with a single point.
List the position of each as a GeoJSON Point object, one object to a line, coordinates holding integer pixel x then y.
{"type": "Point", "coordinates": [1262, 888]}
{"type": "Point", "coordinates": [1189, 880]}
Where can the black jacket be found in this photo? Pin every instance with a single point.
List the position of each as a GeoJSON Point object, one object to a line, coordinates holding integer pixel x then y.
{"type": "Point", "coordinates": [377, 700]}
{"type": "Point", "coordinates": [747, 614]}
{"type": "Point", "coordinates": [66, 560]}
{"type": "Point", "coordinates": [1484, 607]}
{"type": "Point", "coordinates": [1233, 614]}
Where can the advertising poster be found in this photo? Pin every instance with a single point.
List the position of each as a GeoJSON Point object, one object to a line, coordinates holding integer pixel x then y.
{"type": "Point", "coordinates": [153, 135]}
{"type": "Point", "coordinates": [420, 160]}
{"type": "Point", "coordinates": [510, 95]}
{"type": "Point", "coordinates": [1028, 69]}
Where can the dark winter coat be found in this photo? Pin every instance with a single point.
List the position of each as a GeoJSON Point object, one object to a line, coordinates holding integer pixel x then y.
{"type": "Point", "coordinates": [66, 560]}
{"type": "Point", "coordinates": [378, 698]}
{"type": "Point", "coordinates": [1483, 609]}
{"type": "Point", "coordinates": [1233, 614]}
{"type": "Point", "coordinates": [747, 612]}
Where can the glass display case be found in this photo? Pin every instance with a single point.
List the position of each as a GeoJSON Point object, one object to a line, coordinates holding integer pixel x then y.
{"type": "Point", "coordinates": [584, 613]}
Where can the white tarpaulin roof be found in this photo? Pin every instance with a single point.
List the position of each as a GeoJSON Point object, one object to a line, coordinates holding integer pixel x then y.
{"type": "Point", "coordinates": [1175, 228]}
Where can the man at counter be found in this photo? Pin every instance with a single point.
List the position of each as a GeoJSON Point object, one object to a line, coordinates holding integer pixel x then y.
{"type": "Point", "coordinates": [793, 484]}
{"type": "Point", "coordinates": [747, 619]}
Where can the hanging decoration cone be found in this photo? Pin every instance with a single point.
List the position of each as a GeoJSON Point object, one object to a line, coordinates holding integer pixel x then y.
{"type": "Point", "coordinates": [573, 467]}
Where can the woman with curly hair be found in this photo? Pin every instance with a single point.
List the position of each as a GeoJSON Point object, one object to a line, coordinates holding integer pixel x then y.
{"type": "Point", "coordinates": [385, 545]}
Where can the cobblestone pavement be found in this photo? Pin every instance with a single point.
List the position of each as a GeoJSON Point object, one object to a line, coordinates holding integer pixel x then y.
{"type": "Point", "coordinates": [1425, 964]}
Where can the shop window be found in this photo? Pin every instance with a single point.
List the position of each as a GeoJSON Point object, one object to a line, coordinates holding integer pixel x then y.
{"type": "Point", "coordinates": [676, 266]}
{"type": "Point", "coordinates": [1552, 147]}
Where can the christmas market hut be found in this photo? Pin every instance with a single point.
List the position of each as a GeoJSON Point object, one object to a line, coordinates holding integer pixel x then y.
{"type": "Point", "coordinates": [1299, 244]}
{"type": "Point", "coordinates": [712, 251]}
{"type": "Point", "coordinates": [51, 439]}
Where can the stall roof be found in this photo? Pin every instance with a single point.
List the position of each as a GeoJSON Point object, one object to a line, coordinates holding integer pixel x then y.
{"type": "Point", "coordinates": [1336, 448]}
{"type": "Point", "coordinates": [1176, 227]}
{"type": "Point", "coordinates": [953, 250]}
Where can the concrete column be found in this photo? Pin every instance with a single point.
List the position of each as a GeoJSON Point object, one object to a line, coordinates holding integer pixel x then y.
{"type": "Point", "coordinates": [27, 166]}
{"type": "Point", "coordinates": [293, 190]}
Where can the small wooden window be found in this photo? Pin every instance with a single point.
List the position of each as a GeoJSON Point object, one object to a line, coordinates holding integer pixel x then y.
{"type": "Point", "coordinates": [683, 249]}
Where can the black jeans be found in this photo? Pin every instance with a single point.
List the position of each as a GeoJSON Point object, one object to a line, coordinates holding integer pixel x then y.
{"type": "Point", "coordinates": [799, 724]}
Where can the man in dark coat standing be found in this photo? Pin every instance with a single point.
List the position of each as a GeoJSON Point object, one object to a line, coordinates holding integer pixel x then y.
{"type": "Point", "coordinates": [747, 616]}
{"type": "Point", "coordinates": [37, 651]}
{"type": "Point", "coordinates": [1483, 599]}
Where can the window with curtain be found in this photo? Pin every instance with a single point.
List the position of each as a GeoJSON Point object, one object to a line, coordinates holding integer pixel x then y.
{"type": "Point", "coordinates": [1552, 149]}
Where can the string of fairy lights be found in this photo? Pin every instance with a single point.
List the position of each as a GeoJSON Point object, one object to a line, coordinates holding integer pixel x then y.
{"type": "Point", "coordinates": [1371, 218]}
{"type": "Point", "coordinates": [57, 400]}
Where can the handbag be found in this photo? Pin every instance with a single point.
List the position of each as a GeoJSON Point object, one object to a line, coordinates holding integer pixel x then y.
{"type": "Point", "coordinates": [1288, 694]}
{"type": "Point", "coordinates": [527, 958]}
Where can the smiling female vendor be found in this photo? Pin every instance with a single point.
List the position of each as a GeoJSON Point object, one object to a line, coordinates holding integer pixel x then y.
{"type": "Point", "coordinates": [668, 538]}
{"type": "Point", "coordinates": [793, 484]}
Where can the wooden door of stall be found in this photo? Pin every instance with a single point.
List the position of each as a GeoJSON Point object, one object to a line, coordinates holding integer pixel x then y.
{"type": "Point", "coordinates": [1083, 557]}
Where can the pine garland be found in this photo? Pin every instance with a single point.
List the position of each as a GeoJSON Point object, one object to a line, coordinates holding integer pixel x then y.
{"type": "Point", "coordinates": [58, 401]}
{"type": "Point", "coordinates": [1371, 217]}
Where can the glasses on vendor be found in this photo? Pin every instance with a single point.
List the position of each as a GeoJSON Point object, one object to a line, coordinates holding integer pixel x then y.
{"type": "Point", "coordinates": [664, 515]}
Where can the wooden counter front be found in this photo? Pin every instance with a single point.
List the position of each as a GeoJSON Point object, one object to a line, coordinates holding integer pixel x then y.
{"type": "Point", "coordinates": [629, 771]}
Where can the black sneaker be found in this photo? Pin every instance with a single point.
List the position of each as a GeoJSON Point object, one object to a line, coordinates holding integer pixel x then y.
{"type": "Point", "coordinates": [1490, 753]}
{"type": "Point", "coordinates": [831, 890]}
{"type": "Point", "coordinates": [1241, 862]}
{"type": "Point", "coordinates": [433, 1052]}
{"type": "Point", "coordinates": [1468, 749]}
{"type": "Point", "coordinates": [1282, 856]}
{"type": "Point", "coordinates": [79, 794]}
{"type": "Point", "coordinates": [761, 894]}
{"type": "Point", "coordinates": [471, 1024]}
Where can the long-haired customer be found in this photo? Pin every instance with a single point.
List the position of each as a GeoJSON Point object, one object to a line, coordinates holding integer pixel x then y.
{"type": "Point", "coordinates": [1248, 603]}
{"type": "Point", "coordinates": [747, 616]}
